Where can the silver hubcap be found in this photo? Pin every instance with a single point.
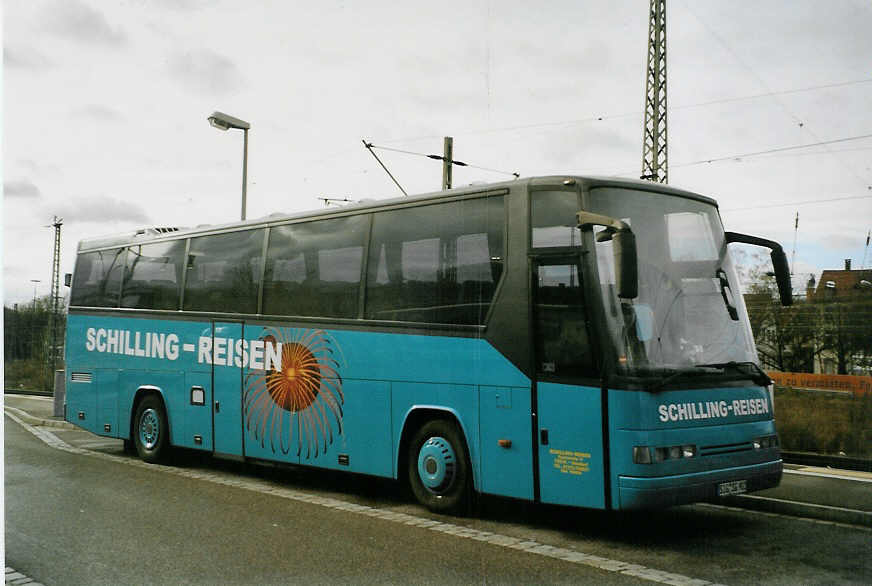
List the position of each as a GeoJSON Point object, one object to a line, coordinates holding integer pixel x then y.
{"type": "Point", "coordinates": [149, 429]}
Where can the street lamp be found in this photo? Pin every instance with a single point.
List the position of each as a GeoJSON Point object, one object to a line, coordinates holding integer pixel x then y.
{"type": "Point", "coordinates": [222, 121]}
{"type": "Point", "coordinates": [35, 282]}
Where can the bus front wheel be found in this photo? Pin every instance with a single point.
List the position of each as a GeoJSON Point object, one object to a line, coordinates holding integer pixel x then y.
{"type": "Point", "coordinates": [150, 430]}
{"type": "Point", "coordinates": [439, 468]}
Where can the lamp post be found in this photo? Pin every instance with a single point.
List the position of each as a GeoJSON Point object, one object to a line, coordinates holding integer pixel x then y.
{"type": "Point", "coordinates": [222, 121]}
{"type": "Point", "coordinates": [35, 282]}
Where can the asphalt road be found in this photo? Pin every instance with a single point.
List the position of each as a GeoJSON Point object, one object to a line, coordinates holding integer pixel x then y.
{"type": "Point", "coordinates": [99, 516]}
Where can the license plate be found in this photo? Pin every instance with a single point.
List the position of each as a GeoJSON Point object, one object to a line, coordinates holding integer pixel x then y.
{"type": "Point", "coordinates": [732, 487]}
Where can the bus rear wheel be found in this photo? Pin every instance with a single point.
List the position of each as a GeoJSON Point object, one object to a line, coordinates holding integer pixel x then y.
{"type": "Point", "coordinates": [439, 468]}
{"type": "Point", "coordinates": [150, 430]}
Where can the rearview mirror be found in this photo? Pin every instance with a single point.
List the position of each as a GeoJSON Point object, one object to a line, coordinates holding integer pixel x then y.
{"type": "Point", "coordinates": [779, 262]}
{"type": "Point", "coordinates": [624, 242]}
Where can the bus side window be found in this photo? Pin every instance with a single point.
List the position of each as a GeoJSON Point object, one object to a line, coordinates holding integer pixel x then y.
{"type": "Point", "coordinates": [437, 263]}
{"type": "Point", "coordinates": [153, 276]}
{"type": "Point", "coordinates": [553, 220]}
{"type": "Point", "coordinates": [224, 272]}
{"type": "Point", "coordinates": [97, 280]}
{"type": "Point", "coordinates": [562, 342]}
{"type": "Point", "coordinates": [313, 268]}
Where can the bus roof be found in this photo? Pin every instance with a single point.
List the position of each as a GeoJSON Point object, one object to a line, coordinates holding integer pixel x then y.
{"type": "Point", "coordinates": [149, 234]}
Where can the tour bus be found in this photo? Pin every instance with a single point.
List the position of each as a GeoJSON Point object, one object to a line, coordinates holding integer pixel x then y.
{"type": "Point", "coordinates": [571, 340]}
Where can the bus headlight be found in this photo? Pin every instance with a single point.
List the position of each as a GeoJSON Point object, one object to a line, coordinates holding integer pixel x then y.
{"type": "Point", "coordinates": [649, 455]}
{"type": "Point", "coordinates": [641, 455]}
{"type": "Point", "coordinates": [771, 389]}
{"type": "Point", "coordinates": [765, 442]}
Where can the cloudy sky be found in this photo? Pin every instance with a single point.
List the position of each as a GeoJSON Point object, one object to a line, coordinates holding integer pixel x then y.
{"type": "Point", "coordinates": [105, 105]}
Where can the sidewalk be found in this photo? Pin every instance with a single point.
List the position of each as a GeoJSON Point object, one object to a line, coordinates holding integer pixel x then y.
{"type": "Point", "coordinates": [37, 410]}
{"type": "Point", "coordinates": [840, 496]}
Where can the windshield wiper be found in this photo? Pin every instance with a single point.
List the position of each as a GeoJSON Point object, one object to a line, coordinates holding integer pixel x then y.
{"type": "Point", "coordinates": [693, 371]}
{"type": "Point", "coordinates": [749, 369]}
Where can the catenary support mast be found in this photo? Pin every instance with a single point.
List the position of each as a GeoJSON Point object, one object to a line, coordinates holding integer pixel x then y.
{"type": "Point", "coordinates": [654, 162]}
{"type": "Point", "coordinates": [56, 302]}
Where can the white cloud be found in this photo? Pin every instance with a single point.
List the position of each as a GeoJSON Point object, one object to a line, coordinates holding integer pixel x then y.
{"type": "Point", "coordinates": [25, 58]}
{"type": "Point", "coordinates": [206, 72]}
{"type": "Point", "coordinates": [22, 189]}
{"type": "Point", "coordinates": [76, 21]}
{"type": "Point", "coordinates": [101, 209]}
{"type": "Point", "coordinates": [100, 112]}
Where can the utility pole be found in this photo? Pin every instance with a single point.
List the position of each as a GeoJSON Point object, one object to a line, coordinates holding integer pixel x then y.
{"type": "Point", "coordinates": [35, 283]}
{"type": "Point", "coordinates": [447, 160]}
{"type": "Point", "coordinates": [654, 161]}
{"type": "Point", "coordinates": [55, 317]}
{"type": "Point", "coordinates": [865, 250]}
{"type": "Point", "coordinates": [793, 254]}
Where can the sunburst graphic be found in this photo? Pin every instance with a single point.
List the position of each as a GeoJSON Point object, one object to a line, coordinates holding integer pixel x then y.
{"type": "Point", "coordinates": [300, 398]}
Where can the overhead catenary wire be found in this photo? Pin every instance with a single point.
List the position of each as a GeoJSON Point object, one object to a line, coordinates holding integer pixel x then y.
{"type": "Point", "coordinates": [441, 158]}
{"type": "Point", "coordinates": [720, 39]}
{"type": "Point", "coordinates": [613, 116]}
{"type": "Point", "coordinates": [798, 203]}
{"type": "Point", "coordinates": [369, 147]}
{"type": "Point", "coordinates": [773, 150]}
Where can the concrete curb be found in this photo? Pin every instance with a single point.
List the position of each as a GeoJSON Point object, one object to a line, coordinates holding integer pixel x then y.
{"type": "Point", "coordinates": [28, 393]}
{"type": "Point", "coordinates": [25, 416]}
{"type": "Point", "coordinates": [799, 509]}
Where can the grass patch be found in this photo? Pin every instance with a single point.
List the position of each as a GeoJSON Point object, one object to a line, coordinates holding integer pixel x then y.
{"type": "Point", "coordinates": [27, 374]}
{"type": "Point", "coordinates": [824, 423]}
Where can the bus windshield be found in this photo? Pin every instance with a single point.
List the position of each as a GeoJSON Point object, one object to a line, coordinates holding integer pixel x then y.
{"type": "Point", "coordinates": [689, 311]}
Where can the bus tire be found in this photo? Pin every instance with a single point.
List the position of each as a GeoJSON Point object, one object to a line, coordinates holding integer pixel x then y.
{"type": "Point", "coordinates": [151, 430]}
{"type": "Point", "coordinates": [439, 468]}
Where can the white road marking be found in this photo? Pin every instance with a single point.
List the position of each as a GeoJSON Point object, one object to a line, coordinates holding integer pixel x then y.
{"type": "Point", "coordinates": [783, 516]}
{"type": "Point", "coordinates": [14, 577]}
{"type": "Point", "coordinates": [35, 398]}
{"type": "Point", "coordinates": [525, 545]}
{"type": "Point", "coordinates": [827, 475]}
{"type": "Point", "coordinates": [100, 444]}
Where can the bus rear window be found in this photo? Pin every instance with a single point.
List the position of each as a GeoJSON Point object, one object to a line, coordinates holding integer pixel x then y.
{"type": "Point", "coordinates": [97, 280]}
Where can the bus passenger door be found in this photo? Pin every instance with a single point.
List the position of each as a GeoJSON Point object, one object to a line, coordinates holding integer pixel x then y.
{"type": "Point", "coordinates": [567, 397]}
{"type": "Point", "coordinates": [227, 389]}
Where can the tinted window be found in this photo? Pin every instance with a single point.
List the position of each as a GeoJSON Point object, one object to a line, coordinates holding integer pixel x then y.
{"type": "Point", "coordinates": [553, 218]}
{"type": "Point", "coordinates": [153, 278]}
{"type": "Point", "coordinates": [223, 272]}
{"type": "Point", "coordinates": [98, 278]}
{"type": "Point", "coordinates": [562, 343]}
{"type": "Point", "coordinates": [437, 263]}
{"type": "Point", "coordinates": [313, 268]}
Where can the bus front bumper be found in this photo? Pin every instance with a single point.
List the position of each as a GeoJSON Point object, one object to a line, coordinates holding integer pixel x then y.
{"type": "Point", "coordinates": [644, 493]}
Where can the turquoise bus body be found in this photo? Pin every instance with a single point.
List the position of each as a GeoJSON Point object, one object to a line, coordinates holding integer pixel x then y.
{"type": "Point", "coordinates": [384, 380]}
{"type": "Point", "coordinates": [584, 434]}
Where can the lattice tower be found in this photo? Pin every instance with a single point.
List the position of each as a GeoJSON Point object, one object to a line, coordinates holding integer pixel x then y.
{"type": "Point", "coordinates": [654, 161]}
{"type": "Point", "coordinates": [56, 301]}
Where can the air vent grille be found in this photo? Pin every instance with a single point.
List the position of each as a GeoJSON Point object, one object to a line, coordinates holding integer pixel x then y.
{"type": "Point", "coordinates": [724, 449]}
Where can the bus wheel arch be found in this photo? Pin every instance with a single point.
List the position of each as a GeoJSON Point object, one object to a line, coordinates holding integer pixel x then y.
{"type": "Point", "coordinates": [149, 425]}
{"type": "Point", "coordinates": [434, 460]}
